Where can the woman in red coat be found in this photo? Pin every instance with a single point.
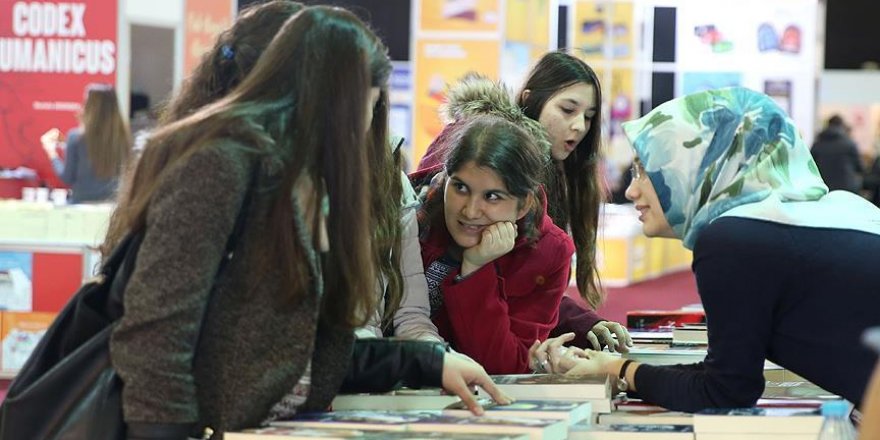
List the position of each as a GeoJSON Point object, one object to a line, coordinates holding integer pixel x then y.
{"type": "Point", "coordinates": [496, 264]}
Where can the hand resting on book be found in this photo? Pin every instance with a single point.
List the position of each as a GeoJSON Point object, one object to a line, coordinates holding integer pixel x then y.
{"type": "Point", "coordinates": [461, 373]}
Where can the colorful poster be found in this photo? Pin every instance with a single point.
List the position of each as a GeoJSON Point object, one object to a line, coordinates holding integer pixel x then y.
{"type": "Point", "coordinates": [622, 100]}
{"type": "Point", "coordinates": [438, 64]}
{"type": "Point", "coordinates": [589, 30]}
{"type": "Point", "coordinates": [49, 52]}
{"type": "Point", "coordinates": [714, 34]}
{"type": "Point", "coordinates": [604, 30]}
{"type": "Point", "coordinates": [527, 26]}
{"type": "Point", "coordinates": [203, 21]}
{"type": "Point", "coordinates": [781, 36]}
{"type": "Point", "coordinates": [16, 273]}
{"type": "Point", "coordinates": [460, 15]}
{"type": "Point", "coordinates": [622, 33]}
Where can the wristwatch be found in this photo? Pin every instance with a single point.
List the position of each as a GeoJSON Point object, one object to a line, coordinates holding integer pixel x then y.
{"type": "Point", "coordinates": [622, 384]}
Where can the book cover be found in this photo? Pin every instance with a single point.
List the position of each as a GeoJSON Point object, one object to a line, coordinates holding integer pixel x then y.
{"type": "Point", "coordinates": [717, 436]}
{"type": "Point", "coordinates": [279, 433]}
{"type": "Point", "coordinates": [795, 390]}
{"type": "Point", "coordinates": [631, 432]}
{"type": "Point", "coordinates": [759, 421]}
{"type": "Point", "coordinates": [567, 411]}
{"type": "Point", "coordinates": [666, 355]}
{"type": "Point", "coordinates": [695, 334]}
{"type": "Point", "coordinates": [554, 386]}
{"type": "Point", "coordinates": [659, 319]}
{"type": "Point", "coordinates": [362, 420]}
{"type": "Point", "coordinates": [395, 401]}
{"type": "Point", "coordinates": [536, 429]}
{"type": "Point", "coordinates": [646, 417]}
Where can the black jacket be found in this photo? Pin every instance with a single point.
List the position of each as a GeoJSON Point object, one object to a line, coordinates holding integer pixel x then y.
{"type": "Point", "coordinates": [838, 160]}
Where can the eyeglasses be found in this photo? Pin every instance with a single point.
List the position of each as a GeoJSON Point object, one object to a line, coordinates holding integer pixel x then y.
{"type": "Point", "coordinates": [637, 171]}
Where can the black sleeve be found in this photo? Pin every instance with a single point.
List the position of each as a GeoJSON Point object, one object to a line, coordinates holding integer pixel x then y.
{"type": "Point", "coordinates": [740, 270]}
{"type": "Point", "coordinates": [380, 365]}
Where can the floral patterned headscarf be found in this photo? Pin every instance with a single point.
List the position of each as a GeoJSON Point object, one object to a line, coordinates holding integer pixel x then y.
{"type": "Point", "coordinates": [734, 152]}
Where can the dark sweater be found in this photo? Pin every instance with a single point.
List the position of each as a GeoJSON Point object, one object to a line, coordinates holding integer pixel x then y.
{"type": "Point", "coordinates": [800, 297]}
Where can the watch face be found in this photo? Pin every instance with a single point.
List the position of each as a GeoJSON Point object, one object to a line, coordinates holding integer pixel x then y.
{"type": "Point", "coordinates": [621, 384]}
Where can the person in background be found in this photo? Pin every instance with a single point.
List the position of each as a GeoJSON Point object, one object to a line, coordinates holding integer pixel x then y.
{"type": "Point", "coordinates": [560, 105]}
{"type": "Point", "coordinates": [496, 264]}
{"type": "Point", "coordinates": [775, 253]}
{"type": "Point", "coordinates": [96, 152]}
{"type": "Point", "coordinates": [837, 157]}
{"type": "Point", "coordinates": [271, 335]}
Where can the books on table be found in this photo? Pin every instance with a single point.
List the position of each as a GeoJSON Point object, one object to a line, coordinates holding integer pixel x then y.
{"type": "Point", "coordinates": [691, 334]}
{"type": "Point", "coordinates": [567, 411]}
{"type": "Point", "coordinates": [806, 421]}
{"type": "Point", "coordinates": [646, 417]}
{"type": "Point", "coordinates": [554, 386]}
{"type": "Point", "coordinates": [428, 421]}
{"type": "Point", "coordinates": [279, 433]}
{"type": "Point", "coordinates": [666, 355]}
{"type": "Point", "coordinates": [536, 429]}
{"type": "Point", "coordinates": [795, 390]}
{"type": "Point", "coordinates": [716, 436]}
{"type": "Point", "coordinates": [401, 400]}
{"type": "Point", "coordinates": [361, 420]}
{"type": "Point", "coordinates": [631, 432]}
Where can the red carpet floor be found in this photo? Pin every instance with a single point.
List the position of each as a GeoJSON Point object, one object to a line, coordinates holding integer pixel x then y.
{"type": "Point", "coordinates": [669, 292]}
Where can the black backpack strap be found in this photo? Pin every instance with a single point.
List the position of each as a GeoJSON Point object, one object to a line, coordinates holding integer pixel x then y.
{"type": "Point", "coordinates": [240, 219]}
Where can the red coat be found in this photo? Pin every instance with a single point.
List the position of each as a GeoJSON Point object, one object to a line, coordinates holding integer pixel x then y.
{"type": "Point", "coordinates": [495, 314]}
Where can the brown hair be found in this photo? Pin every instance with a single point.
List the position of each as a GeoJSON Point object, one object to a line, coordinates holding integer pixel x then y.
{"type": "Point", "coordinates": [283, 111]}
{"type": "Point", "coordinates": [573, 188]}
{"type": "Point", "coordinates": [108, 141]}
{"type": "Point", "coordinates": [497, 144]}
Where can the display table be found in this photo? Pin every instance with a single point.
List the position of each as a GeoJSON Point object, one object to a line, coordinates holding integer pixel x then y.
{"type": "Point", "coordinates": [53, 248]}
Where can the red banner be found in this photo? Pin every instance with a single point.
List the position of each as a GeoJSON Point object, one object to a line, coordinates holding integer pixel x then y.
{"type": "Point", "coordinates": [49, 52]}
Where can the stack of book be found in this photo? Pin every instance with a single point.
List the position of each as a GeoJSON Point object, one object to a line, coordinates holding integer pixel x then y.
{"type": "Point", "coordinates": [796, 423]}
{"type": "Point", "coordinates": [400, 400]}
{"type": "Point", "coordinates": [281, 433]}
{"type": "Point", "coordinates": [557, 387]}
{"type": "Point", "coordinates": [631, 432]}
{"type": "Point", "coordinates": [432, 422]}
{"type": "Point", "coordinates": [691, 334]}
{"type": "Point", "coordinates": [663, 319]}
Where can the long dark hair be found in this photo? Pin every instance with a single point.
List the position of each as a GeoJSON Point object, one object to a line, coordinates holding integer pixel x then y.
{"type": "Point", "coordinates": [573, 188]}
{"type": "Point", "coordinates": [385, 210]}
{"type": "Point", "coordinates": [283, 110]}
{"type": "Point", "coordinates": [497, 144]}
{"type": "Point", "coordinates": [106, 133]}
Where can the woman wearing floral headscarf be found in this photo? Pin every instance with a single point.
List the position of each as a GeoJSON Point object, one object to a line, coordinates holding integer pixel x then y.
{"type": "Point", "coordinates": [786, 270]}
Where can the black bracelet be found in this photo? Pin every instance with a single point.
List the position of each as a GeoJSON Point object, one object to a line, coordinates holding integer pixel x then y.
{"type": "Point", "coordinates": [623, 368]}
